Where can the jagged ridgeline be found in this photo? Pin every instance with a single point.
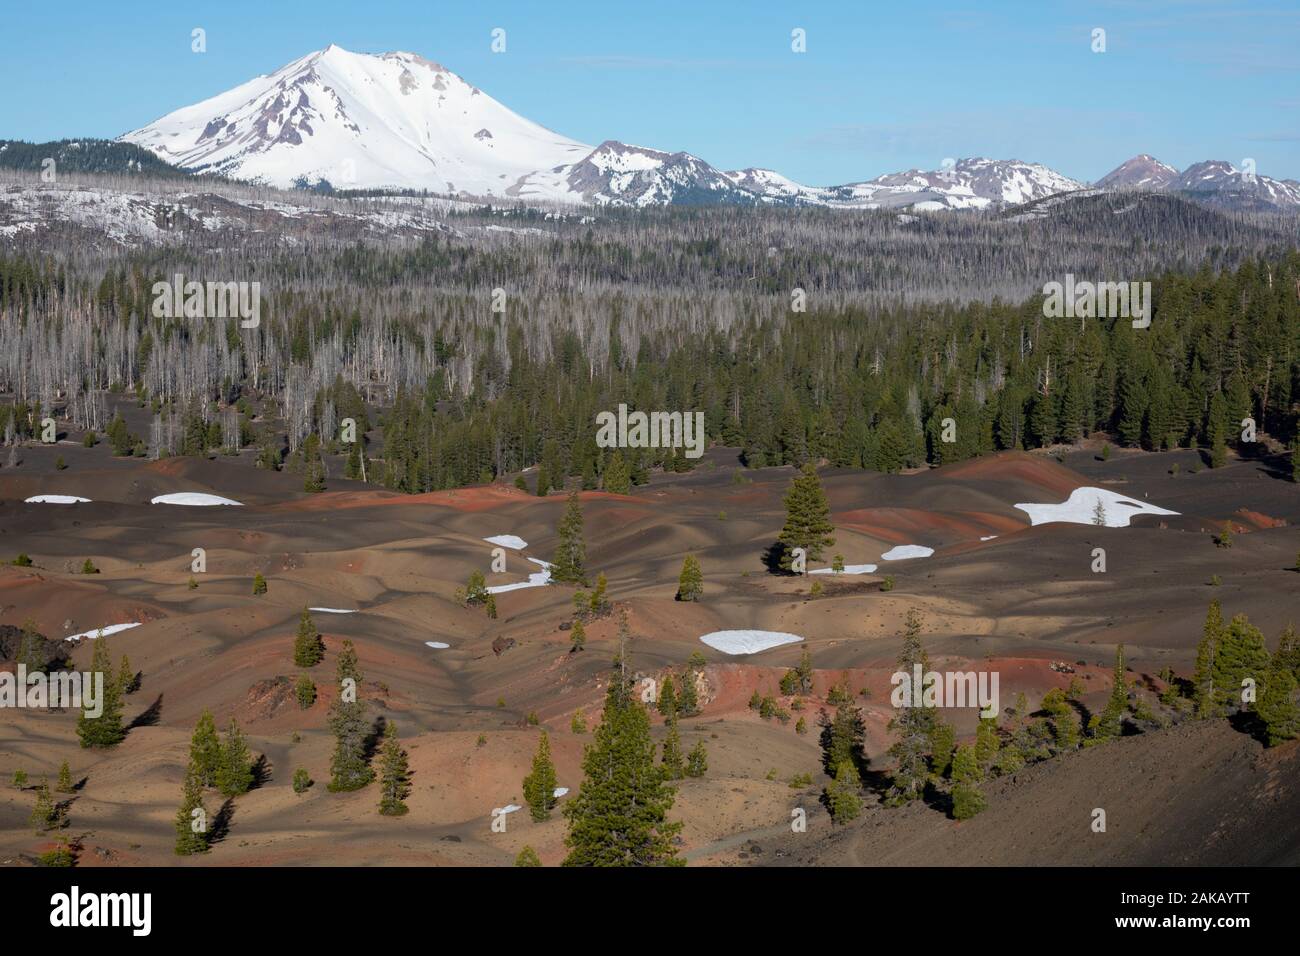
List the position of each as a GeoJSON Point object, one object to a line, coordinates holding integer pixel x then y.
{"type": "Point", "coordinates": [101, 156]}
{"type": "Point", "coordinates": [673, 310]}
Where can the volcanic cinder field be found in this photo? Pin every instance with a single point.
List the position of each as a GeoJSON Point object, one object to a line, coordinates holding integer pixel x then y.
{"type": "Point", "coordinates": [998, 593]}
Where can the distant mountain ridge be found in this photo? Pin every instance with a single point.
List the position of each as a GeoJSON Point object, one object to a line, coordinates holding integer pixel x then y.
{"type": "Point", "coordinates": [397, 121]}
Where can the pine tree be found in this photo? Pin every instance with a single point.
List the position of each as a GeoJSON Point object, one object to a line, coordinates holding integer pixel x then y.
{"type": "Point", "coordinates": [619, 817]}
{"type": "Point", "coordinates": [527, 857]}
{"type": "Point", "coordinates": [807, 518]}
{"type": "Point", "coordinates": [697, 761]}
{"type": "Point", "coordinates": [1288, 651]}
{"type": "Point", "coordinates": [943, 741]}
{"type": "Point", "coordinates": [305, 691]}
{"type": "Point", "coordinates": [842, 738]}
{"type": "Point", "coordinates": [45, 815]}
{"type": "Point", "coordinates": [394, 775]}
{"type": "Point", "coordinates": [1065, 722]}
{"type": "Point", "coordinates": [191, 827]}
{"type": "Point", "coordinates": [259, 584]}
{"type": "Point", "coordinates": [1203, 688]}
{"type": "Point", "coordinates": [571, 553]}
{"type": "Point", "coordinates": [618, 477]}
{"type": "Point", "coordinates": [205, 750]}
{"type": "Point", "coordinates": [987, 742]}
{"type": "Point", "coordinates": [577, 637]}
{"type": "Point", "coordinates": [1277, 709]}
{"type": "Point", "coordinates": [64, 784]}
{"type": "Point", "coordinates": [106, 730]}
{"type": "Point", "coordinates": [688, 698]}
{"type": "Point", "coordinates": [539, 785]}
{"type": "Point", "coordinates": [667, 702]}
{"type": "Point", "coordinates": [913, 724]}
{"type": "Point", "coordinates": [308, 649]}
{"type": "Point", "coordinates": [1241, 655]}
{"type": "Point", "coordinates": [1111, 723]}
{"type": "Point", "coordinates": [967, 797]}
{"type": "Point", "coordinates": [348, 767]}
{"type": "Point", "coordinates": [234, 774]}
{"type": "Point", "coordinates": [674, 768]}
{"type": "Point", "coordinates": [598, 604]}
{"type": "Point", "coordinates": [805, 671]}
{"type": "Point", "coordinates": [347, 668]}
{"type": "Point", "coordinates": [842, 795]}
{"type": "Point", "coordinates": [690, 584]}
{"type": "Point", "coordinates": [125, 676]}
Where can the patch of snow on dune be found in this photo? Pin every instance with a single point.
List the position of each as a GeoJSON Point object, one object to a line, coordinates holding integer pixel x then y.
{"type": "Point", "coordinates": [535, 580]}
{"type": "Point", "coordinates": [192, 498]}
{"type": "Point", "coordinates": [848, 569]}
{"type": "Point", "coordinates": [559, 792]}
{"type": "Point", "coordinates": [903, 552]}
{"type": "Point", "coordinates": [437, 645]}
{"type": "Point", "coordinates": [988, 537]}
{"type": "Point", "coordinates": [508, 808]}
{"type": "Point", "coordinates": [102, 631]}
{"type": "Point", "coordinates": [512, 541]}
{"type": "Point", "coordinates": [1081, 508]}
{"type": "Point", "coordinates": [748, 642]}
{"type": "Point", "coordinates": [54, 500]}
{"type": "Point", "coordinates": [331, 610]}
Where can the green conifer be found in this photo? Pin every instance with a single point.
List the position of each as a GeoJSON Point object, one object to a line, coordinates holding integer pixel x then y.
{"type": "Point", "coordinates": [571, 552]}
{"type": "Point", "coordinates": [539, 785]}
{"type": "Point", "coordinates": [690, 583]}
{"type": "Point", "coordinates": [394, 775]}
{"type": "Point", "coordinates": [619, 816]}
{"type": "Point", "coordinates": [807, 518]}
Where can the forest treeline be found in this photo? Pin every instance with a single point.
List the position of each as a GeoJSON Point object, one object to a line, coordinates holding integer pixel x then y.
{"type": "Point", "coordinates": [406, 341]}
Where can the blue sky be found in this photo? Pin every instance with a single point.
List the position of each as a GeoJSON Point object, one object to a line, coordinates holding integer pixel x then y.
{"type": "Point", "coordinates": [883, 85]}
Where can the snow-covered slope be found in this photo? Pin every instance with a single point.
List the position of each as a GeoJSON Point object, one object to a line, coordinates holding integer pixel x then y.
{"type": "Point", "coordinates": [1214, 181]}
{"type": "Point", "coordinates": [399, 121]}
{"type": "Point", "coordinates": [360, 121]}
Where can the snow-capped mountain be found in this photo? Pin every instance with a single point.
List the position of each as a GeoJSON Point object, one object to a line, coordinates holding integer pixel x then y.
{"type": "Point", "coordinates": [1140, 172]}
{"type": "Point", "coordinates": [399, 121]}
{"type": "Point", "coordinates": [360, 121]}
{"type": "Point", "coordinates": [1214, 181]}
{"type": "Point", "coordinates": [963, 184]}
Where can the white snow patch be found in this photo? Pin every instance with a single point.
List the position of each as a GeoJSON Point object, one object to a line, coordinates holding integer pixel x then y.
{"type": "Point", "coordinates": [508, 808]}
{"type": "Point", "coordinates": [192, 498]}
{"type": "Point", "coordinates": [559, 792]}
{"type": "Point", "coordinates": [437, 645]}
{"type": "Point", "coordinates": [905, 551]}
{"type": "Point", "coordinates": [535, 580]}
{"type": "Point", "coordinates": [1081, 507]}
{"type": "Point", "coordinates": [512, 541]}
{"type": "Point", "coordinates": [748, 642]}
{"type": "Point", "coordinates": [848, 569]}
{"type": "Point", "coordinates": [54, 499]}
{"type": "Point", "coordinates": [987, 537]}
{"type": "Point", "coordinates": [102, 631]}
{"type": "Point", "coordinates": [331, 610]}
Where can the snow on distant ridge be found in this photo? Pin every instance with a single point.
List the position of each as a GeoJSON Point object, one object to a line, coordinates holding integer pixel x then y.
{"type": "Point", "coordinates": [512, 541]}
{"type": "Point", "coordinates": [848, 569]}
{"type": "Point", "coordinates": [55, 500]}
{"type": "Point", "coordinates": [748, 641]}
{"type": "Point", "coordinates": [103, 631]}
{"type": "Point", "coordinates": [1081, 508]}
{"type": "Point", "coordinates": [535, 580]}
{"type": "Point", "coordinates": [331, 610]}
{"type": "Point", "coordinates": [904, 552]}
{"type": "Point", "coordinates": [194, 498]}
